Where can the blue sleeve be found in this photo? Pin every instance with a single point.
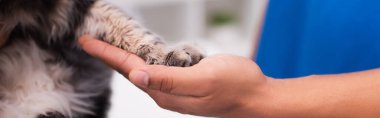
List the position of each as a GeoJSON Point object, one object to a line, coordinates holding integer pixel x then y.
{"type": "Point", "coordinates": [320, 37]}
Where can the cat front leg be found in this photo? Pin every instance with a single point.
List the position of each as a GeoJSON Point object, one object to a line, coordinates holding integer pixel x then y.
{"type": "Point", "coordinates": [111, 25]}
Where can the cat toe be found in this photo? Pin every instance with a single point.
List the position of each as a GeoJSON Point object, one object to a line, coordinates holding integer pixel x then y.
{"type": "Point", "coordinates": [183, 57]}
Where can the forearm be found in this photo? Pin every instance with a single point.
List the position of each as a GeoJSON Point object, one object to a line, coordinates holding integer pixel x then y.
{"type": "Point", "coordinates": [343, 95]}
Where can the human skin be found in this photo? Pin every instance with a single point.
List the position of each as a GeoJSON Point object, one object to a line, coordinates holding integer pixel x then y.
{"type": "Point", "coordinates": [232, 86]}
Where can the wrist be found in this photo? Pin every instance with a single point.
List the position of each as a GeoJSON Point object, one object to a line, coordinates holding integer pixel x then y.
{"type": "Point", "coordinates": [256, 103]}
{"type": "Point", "coordinates": [287, 98]}
{"type": "Point", "coordinates": [298, 97]}
{"type": "Point", "coordinates": [266, 103]}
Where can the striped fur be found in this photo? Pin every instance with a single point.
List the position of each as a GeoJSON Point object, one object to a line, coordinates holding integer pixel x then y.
{"type": "Point", "coordinates": [44, 73]}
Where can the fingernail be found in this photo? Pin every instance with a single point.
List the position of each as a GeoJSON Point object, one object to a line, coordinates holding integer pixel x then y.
{"type": "Point", "coordinates": [84, 39]}
{"type": "Point", "coordinates": [139, 78]}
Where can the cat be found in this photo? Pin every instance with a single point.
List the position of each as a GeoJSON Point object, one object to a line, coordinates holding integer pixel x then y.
{"type": "Point", "coordinates": [45, 74]}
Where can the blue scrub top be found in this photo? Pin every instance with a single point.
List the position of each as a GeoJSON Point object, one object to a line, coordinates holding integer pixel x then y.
{"type": "Point", "coordinates": [305, 37]}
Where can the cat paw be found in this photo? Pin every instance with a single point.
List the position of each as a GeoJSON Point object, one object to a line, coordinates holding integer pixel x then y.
{"type": "Point", "coordinates": [183, 56]}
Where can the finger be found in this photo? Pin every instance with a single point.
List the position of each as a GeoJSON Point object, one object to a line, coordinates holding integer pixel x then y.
{"type": "Point", "coordinates": [189, 81]}
{"type": "Point", "coordinates": [117, 58]}
{"type": "Point", "coordinates": [181, 104]}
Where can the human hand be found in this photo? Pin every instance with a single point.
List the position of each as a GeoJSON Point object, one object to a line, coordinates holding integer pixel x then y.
{"type": "Point", "coordinates": [234, 87]}
{"type": "Point", "coordinates": [219, 86]}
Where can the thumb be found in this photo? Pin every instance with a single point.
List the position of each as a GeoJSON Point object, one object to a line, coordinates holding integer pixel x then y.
{"type": "Point", "coordinates": [117, 58]}
{"type": "Point", "coordinates": [139, 78]}
{"type": "Point", "coordinates": [172, 80]}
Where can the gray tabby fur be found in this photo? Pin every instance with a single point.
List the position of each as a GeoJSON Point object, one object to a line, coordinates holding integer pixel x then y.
{"type": "Point", "coordinates": [44, 73]}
